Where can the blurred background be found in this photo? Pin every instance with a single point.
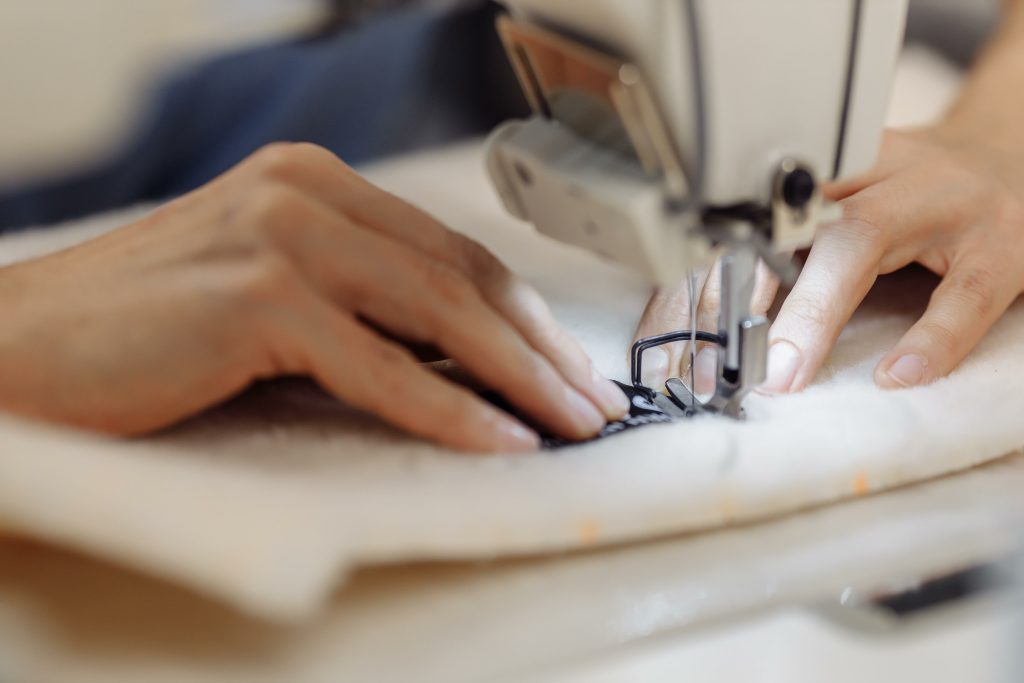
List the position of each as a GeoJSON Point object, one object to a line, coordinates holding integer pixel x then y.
{"type": "Point", "coordinates": [111, 103]}
{"type": "Point", "coordinates": [110, 122]}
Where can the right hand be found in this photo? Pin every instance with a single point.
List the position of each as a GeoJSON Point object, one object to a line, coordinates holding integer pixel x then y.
{"type": "Point", "coordinates": [290, 264]}
{"type": "Point", "coordinates": [948, 197]}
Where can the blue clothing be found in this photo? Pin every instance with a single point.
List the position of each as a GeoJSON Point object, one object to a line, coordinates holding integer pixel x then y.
{"type": "Point", "coordinates": [406, 79]}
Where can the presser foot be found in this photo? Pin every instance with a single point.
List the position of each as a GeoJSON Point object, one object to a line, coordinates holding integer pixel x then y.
{"type": "Point", "coordinates": [732, 385]}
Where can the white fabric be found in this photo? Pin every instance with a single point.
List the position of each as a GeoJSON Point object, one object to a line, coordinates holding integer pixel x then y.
{"type": "Point", "coordinates": [268, 502]}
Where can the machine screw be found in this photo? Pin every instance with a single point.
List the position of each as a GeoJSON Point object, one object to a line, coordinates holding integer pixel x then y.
{"type": "Point", "coordinates": [798, 188]}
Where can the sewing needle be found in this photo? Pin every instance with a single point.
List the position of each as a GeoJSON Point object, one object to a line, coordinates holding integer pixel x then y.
{"type": "Point", "coordinates": [692, 275]}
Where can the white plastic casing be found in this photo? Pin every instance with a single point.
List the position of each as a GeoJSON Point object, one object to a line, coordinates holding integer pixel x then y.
{"type": "Point", "coordinates": [779, 79]}
{"type": "Point", "coordinates": [773, 75]}
{"type": "Point", "coordinates": [581, 194]}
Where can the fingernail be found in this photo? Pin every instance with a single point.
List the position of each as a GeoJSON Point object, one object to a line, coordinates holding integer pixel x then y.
{"type": "Point", "coordinates": [908, 371]}
{"type": "Point", "coordinates": [783, 364]}
{"type": "Point", "coordinates": [514, 437]}
{"type": "Point", "coordinates": [587, 418]}
{"type": "Point", "coordinates": [705, 371]}
{"type": "Point", "coordinates": [655, 369]}
{"type": "Point", "coordinates": [613, 401]}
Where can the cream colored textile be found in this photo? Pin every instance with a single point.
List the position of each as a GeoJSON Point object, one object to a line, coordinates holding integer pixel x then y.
{"type": "Point", "coordinates": [270, 501]}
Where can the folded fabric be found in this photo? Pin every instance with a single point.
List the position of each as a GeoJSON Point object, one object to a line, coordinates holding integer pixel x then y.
{"type": "Point", "coordinates": [269, 501]}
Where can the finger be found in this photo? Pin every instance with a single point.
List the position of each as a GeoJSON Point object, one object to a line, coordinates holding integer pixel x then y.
{"type": "Point", "coordinates": [894, 147]}
{"type": "Point", "coordinates": [705, 360]}
{"type": "Point", "coordinates": [766, 288]}
{"type": "Point", "coordinates": [668, 311]}
{"type": "Point", "coordinates": [335, 184]}
{"type": "Point", "coordinates": [970, 299]}
{"type": "Point", "coordinates": [527, 312]}
{"type": "Point", "coordinates": [402, 290]}
{"type": "Point", "coordinates": [840, 270]}
{"type": "Point", "coordinates": [490, 349]}
{"type": "Point", "coordinates": [382, 378]}
{"type": "Point", "coordinates": [322, 175]}
{"type": "Point", "coordinates": [520, 304]}
{"type": "Point", "coordinates": [848, 187]}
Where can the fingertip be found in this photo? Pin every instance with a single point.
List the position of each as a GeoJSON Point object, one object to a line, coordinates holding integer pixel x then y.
{"type": "Point", "coordinates": [883, 380]}
{"type": "Point", "coordinates": [962, 310]}
{"type": "Point", "coordinates": [512, 436]}
{"type": "Point", "coordinates": [610, 397]}
{"type": "Point", "coordinates": [784, 364]}
{"type": "Point", "coordinates": [655, 368]}
{"type": "Point", "coordinates": [586, 420]}
{"type": "Point", "coordinates": [902, 371]}
{"type": "Point", "coordinates": [706, 371]}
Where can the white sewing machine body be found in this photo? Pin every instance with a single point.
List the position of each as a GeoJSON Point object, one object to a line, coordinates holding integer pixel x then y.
{"type": "Point", "coordinates": [738, 86]}
{"type": "Point", "coordinates": [667, 133]}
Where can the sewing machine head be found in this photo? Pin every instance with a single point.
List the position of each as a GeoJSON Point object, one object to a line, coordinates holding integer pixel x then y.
{"type": "Point", "coordinates": [668, 133]}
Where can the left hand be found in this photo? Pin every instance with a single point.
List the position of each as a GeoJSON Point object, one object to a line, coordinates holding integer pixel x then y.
{"type": "Point", "coordinates": [290, 264]}
{"type": "Point", "coordinates": [938, 197]}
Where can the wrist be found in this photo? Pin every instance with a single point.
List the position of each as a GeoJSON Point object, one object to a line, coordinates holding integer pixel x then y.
{"type": "Point", "coordinates": [991, 106]}
{"type": "Point", "coordinates": [984, 146]}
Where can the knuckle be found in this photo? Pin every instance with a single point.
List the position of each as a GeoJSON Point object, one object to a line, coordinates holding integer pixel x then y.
{"type": "Point", "coordinates": [710, 302]}
{"type": "Point", "coordinates": [272, 159]}
{"type": "Point", "coordinates": [311, 151]}
{"type": "Point", "coordinates": [763, 299]}
{"type": "Point", "coordinates": [285, 160]}
{"type": "Point", "coordinates": [500, 285]}
{"type": "Point", "coordinates": [813, 313]}
{"type": "Point", "coordinates": [865, 233]}
{"type": "Point", "coordinates": [265, 279]}
{"type": "Point", "coordinates": [477, 260]}
{"type": "Point", "coordinates": [391, 355]}
{"type": "Point", "coordinates": [667, 309]}
{"type": "Point", "coordinates": [459, 414]}
{"type": "Point", "coordinates": [941, 337]}
{"type": "Point", "coordinates": [709, 297]}
{"type": "Point", "coordinates": [469, 415]}
{"type": "Point", "coordinates": [388, 361]}
{"type": "Point", "coordinates": [946, 165]}
{"type": "Point", "coordinates": [860, 224]}
{"type": "Point", "coordinates": [448, 286]}
{"type": "Point", "coordinates": [1010, 213]}
{"type": "Point", "coordinates": [273, 204]}
{"type": "Point", "coordinates": [975, 289]}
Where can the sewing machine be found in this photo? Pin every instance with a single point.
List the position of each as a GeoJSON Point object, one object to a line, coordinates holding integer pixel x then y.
{"type": "Point", "coordinates": [794, 599]}
{"type": "Point", "coordinates": [670, 133]}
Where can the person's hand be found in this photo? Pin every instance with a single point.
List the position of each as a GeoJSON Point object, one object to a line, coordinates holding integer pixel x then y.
{"type": "Point", "coordinates": [940, 197]}
{"type": "Point", "coordinates": [290, 264]}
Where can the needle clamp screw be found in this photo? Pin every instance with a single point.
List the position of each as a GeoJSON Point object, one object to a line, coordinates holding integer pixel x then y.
{"type": "Point", "coordinates": [798, 188]}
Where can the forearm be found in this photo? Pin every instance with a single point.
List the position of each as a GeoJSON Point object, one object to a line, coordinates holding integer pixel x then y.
{"type": "Point", "coordinates": [991, 105]}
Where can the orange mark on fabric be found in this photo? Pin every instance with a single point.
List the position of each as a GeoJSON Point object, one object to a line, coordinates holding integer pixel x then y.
{"type": "Point", "coordinates": [861, 485]}
{"type": "Point", "coordinates": [589, 531]}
